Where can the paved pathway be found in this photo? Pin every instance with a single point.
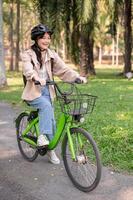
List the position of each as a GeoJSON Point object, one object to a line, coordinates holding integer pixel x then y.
{"type": "Point", "coordinates": [40, 180]}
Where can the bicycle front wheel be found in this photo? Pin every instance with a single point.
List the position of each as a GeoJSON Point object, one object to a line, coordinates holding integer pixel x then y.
{"type": "Point", "coordinates": [28, 152]}
{"type": "Point", "coordinates": [85, 171]}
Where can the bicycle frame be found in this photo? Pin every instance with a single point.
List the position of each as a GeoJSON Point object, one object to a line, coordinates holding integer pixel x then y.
{"type": "Point", "coordinates": [78, 147]}
{"type": "Point", "coordinates": [64, 121]}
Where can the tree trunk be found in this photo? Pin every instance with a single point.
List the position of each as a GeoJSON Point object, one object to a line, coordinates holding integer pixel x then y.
{"type": "Point", "coordinates": [86, 55]}
{"type": "Point", "coordinates": [117, 46]}
{"type": "Point", "coordinates": [2, 66]}
{"type": "Point", "coordinates": [88, 42]}
{"type": "Point", "coordinates": [75, 34]}
{"type": "Point", "coordinates": [18, 36]}
{"type": "Point", "coordinates": [67, 28]}
{"type": "Point", "coordinates": [90, 46]}
{"type": "Point", "coordinates": [11, 67]}
{"type": "Point", "coordinates": [127, 36]}
{"type": "Point", "coordinates": [83, 55]}
{"type": "Point", "coordinates": [113, 51]}
{"type": "Point", "coordinates": [21, 27]}
{"type": "Point", "coordinates": [100, 54]}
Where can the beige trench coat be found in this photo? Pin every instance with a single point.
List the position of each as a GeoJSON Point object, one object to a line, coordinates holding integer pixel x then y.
{"type": "Point", "coordinates": [32, 91]}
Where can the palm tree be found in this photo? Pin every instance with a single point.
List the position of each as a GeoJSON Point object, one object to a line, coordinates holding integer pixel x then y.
{"type": "Point", "coordinates": [11, 34]}
{"type": "Point", "coordinates": [88, 19]}
{"type": "Point", "coordinates": [114, 6]}
{"type": "Point", "coordinates": [101, 29]}
{"type": "Point", "coordinates": [67, 22]}
{"type": "Point", "coordinates": [51, 13]}
{"type": "Point", "coordinates": [18, 36]}
{"type": "Point", "coordinates": [2, 67]}
{"type": "Point", "coordinates": [127, 35]}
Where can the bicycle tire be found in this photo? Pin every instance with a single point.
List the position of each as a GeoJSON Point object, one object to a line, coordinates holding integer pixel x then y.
{"type": "Point", "coordinates": [28, 152]}
{"type": "Point", "coordinates": [82, 182]}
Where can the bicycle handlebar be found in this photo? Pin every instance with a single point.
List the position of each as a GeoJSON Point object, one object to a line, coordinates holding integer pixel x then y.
{"type": "Point", "coordinates": [48, 82]}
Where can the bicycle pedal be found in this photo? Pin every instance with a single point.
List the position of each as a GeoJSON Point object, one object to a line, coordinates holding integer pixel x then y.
{"type": "Point", "coordinates": [42, 147]}
{"type": "Point", "coordinates": [42, 150]}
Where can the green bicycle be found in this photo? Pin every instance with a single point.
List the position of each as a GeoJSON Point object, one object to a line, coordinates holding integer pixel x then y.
{"type": "Point", "coordinates": [79, 150]}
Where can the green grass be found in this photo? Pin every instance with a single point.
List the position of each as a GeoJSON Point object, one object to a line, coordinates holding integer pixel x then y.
{"type": "Point", "coordinates": [12, 92]}
{"type": "Point", "coordinates": [111, 122]}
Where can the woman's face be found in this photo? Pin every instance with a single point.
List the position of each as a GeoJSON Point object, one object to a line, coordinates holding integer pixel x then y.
{"type": "Point", "coordinates": [44, 42]}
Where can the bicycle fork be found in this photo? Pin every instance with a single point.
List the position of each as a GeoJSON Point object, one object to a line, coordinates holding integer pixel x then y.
{"type": "Point", "coordinates": [71, 142]}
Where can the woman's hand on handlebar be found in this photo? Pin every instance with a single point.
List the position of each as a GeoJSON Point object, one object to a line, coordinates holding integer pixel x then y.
{"type": "Point", "coordinates": [81, 80]}
{"type": "Point", "coordinates": [39, 81]}
{"type": "Point", "coordinates": [42, 81]}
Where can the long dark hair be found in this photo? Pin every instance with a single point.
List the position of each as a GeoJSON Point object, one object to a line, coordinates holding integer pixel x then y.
{"type": "Point", "coordinates": [37, 51]}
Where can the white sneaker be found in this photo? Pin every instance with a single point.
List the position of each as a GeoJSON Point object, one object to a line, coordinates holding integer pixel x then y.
{"type": "Point", "coordinates": [53, 157]}
{"type": "Point", "coordinates": [42, 141]}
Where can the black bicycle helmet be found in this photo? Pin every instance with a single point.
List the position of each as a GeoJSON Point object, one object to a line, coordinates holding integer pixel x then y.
{"type": "Point", "coordinates": [39, 30]}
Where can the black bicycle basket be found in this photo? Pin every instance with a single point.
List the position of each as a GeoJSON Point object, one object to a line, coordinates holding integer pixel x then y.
{"type": "Point", "coordinates": [78, 104]}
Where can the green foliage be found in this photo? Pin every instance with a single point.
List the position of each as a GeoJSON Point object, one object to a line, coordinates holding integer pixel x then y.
{"type": "Point", "coordinates": [101, 28]}
{"type": "Point", "coordinates": [88, 10]}
{"type": "Point", "coordinates": [51, 12]}
{"type": "Point", "coordinates": [116, 8]}
{"type": "Point", "coordinates": [68, 16]}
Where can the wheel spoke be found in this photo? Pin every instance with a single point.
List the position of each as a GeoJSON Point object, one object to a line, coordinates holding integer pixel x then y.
{"type": "Point", "coordinates": [85, 172]}
{"type": "Point", "coordinates": [26, 149]}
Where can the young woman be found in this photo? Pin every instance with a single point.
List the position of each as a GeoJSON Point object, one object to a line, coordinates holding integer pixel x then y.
{"type": "Point", "coordinates": [37, 66]}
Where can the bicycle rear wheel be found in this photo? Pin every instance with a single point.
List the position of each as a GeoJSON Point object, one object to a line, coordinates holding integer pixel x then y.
{"type": "Point", "coordinates": [28, 152]}
{"type": "Point", "coordinates": [85, 172]}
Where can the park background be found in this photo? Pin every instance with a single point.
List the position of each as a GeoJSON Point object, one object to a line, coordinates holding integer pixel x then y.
{"type": "Point", "coordinates": [93, 37]}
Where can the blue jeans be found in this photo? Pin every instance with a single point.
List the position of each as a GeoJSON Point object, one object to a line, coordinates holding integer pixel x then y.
{"type": "Point", "coordinates": [47, 124]}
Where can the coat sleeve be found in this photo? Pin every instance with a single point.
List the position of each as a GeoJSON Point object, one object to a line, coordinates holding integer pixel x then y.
{"type": "Point", "coordinates": [62, 71]}
{"type": "Point", "coordinates": [27, 66]}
